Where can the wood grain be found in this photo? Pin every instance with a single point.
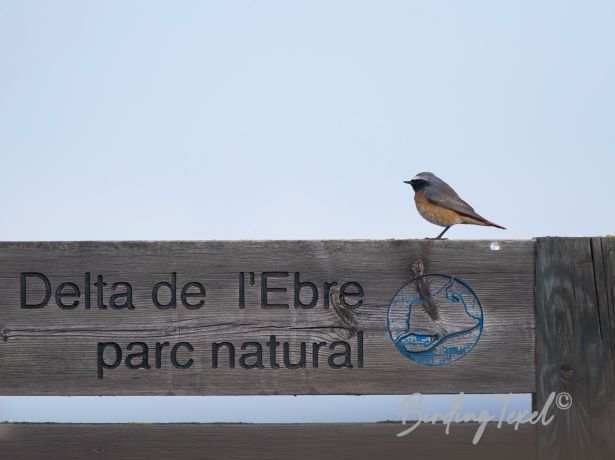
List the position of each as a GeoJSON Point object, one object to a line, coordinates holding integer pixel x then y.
{"type": "Point", "coordinates": [575, 320]}
{"type": "Point", "coordinates": [51, 351]}
{"type": "Point", "coordinates": [267, 442]}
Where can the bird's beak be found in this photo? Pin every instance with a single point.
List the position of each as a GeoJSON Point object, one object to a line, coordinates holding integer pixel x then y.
{"type": "Point", "coordinates": [409, 182]}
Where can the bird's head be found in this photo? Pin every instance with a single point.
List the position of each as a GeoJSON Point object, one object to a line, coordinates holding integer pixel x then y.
{"type": "Point", "coordinates": [420, 181]}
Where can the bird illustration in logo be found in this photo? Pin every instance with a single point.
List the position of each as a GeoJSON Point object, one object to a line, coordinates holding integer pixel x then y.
{"type": "Point", "coordinates": [439, 204]}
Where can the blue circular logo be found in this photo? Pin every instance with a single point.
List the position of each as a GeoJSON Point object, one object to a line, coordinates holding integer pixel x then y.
{"type": "Point", "coordinates": [435, 319]}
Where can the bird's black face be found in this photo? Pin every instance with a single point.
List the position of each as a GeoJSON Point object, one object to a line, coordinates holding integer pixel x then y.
{"type": "Point", "coordinates": [417, 184]}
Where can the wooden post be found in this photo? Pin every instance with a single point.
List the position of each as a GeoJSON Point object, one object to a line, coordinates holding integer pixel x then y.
{"type": "Point", "coordinates": [575, 330]}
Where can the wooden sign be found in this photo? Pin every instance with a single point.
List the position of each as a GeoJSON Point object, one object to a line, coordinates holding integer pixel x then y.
{"type": "Point", "coordinates": [274, 317]}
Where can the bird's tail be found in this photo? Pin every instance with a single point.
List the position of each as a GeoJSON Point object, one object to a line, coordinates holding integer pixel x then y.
{"type": "Point", "coordinates": [491, 224]}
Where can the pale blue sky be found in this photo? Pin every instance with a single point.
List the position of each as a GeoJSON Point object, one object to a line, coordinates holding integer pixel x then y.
{"type": "Point", "coordinates": [275, 119]}
{"type": "Point", "coordinates": [300, 120]}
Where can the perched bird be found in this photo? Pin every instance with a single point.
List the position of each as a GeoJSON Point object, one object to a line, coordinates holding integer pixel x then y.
{"type": "Point", "coordinates": [439, 204]}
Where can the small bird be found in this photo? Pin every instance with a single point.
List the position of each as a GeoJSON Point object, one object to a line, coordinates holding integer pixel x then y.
{"type": "Point", "coordinates": [439, 204]}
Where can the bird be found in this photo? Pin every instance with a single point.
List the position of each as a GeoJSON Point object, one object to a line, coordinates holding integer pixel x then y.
{"type": "Point", "coordinates": [438, 203]}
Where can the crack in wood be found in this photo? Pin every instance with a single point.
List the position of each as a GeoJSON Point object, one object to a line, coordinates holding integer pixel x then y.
{"type": "Point", "coordinates": [7, 333]}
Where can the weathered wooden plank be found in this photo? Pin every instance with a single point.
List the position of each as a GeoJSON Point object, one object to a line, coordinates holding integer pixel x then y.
{"type": "Point", "coordinates": [267, 442]}
{"type": "Point", "coordinates": [603, 254]}
{"type": "Point", "coordinates": [54, 351]}
{"type": "Point", "coordinates": [575, 327]}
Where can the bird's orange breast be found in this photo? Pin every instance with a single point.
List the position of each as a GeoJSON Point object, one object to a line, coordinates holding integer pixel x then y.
{"type": "Point", "coordinates": [435, 214]}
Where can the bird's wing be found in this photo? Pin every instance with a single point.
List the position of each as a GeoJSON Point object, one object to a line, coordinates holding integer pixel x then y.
{"type": "Point", "coordinates": [445, 196]}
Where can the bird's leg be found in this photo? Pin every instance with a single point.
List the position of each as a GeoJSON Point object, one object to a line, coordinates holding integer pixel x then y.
{"type": "Point", "coordinates": [439, 237]}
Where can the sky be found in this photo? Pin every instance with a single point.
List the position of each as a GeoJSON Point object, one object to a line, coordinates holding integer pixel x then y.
{"type": "Point", "coordinates": [200, 120]}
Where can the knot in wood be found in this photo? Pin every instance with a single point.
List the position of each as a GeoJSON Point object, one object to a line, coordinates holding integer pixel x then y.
{"type": "Point", "coordinates": [343, 313]}
{"type": "Point", "coordinates": [418, 267]}
{"type": "Point", "coordinates": [4, 333]}
{"type": "Point", "coordinates": [422, 289]}
{"type": "Point", "coordinates": [566, 373]}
